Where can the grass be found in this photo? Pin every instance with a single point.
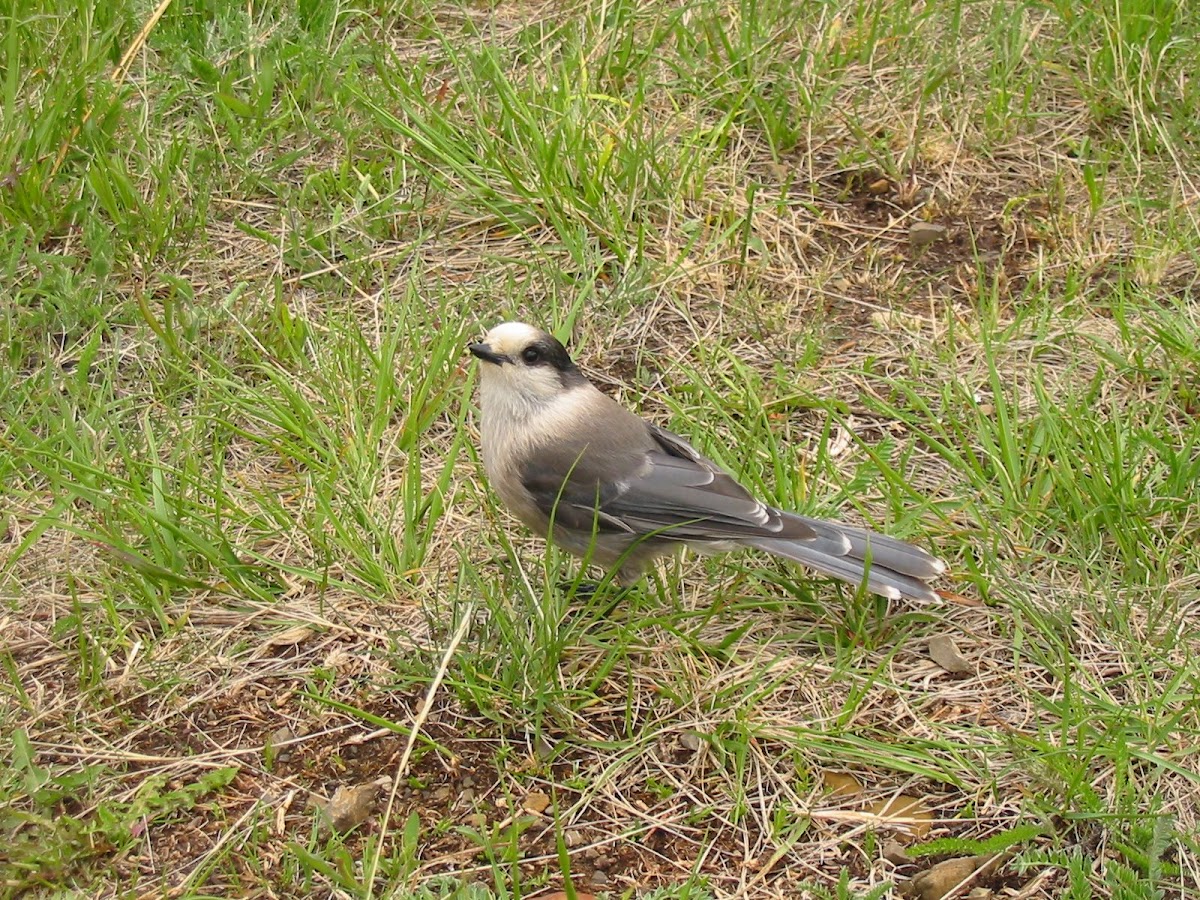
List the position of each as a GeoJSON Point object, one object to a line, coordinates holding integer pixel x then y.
{"type": "Point", "coordinates": [248, 556]}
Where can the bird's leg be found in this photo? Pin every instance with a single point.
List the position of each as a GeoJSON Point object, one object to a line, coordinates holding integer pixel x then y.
{"type": "Point", "coordinates": [583, 589]}
{"type": "Point", "coordinates": [588, 591]}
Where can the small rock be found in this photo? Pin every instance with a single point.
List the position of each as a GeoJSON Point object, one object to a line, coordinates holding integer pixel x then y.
{"type": "Point", "coordinates": [467, 781]}
{"type": "Point", "coordinates": [895, 853]}
{"type": "Point", "coordinates": [937, 882]}
{"type": "Point", "coordinates": [441, 795]}
{"type": "Point", "coordinates": [535, 802]}
{"type": "Point", "coordinates": [574, 838]}
{"type": "Point", "coordinates": [908, 814]}
{"type": "Point", "coordinates": [278, 740]}
{"type": "Point", "coordinates": [778, 171]}
{"type": "Point", "coordinates": [467, 795]}
{"type": "Point", "coordinates": [476, 820]}
{"type": "Point", "coordinates": [599, 878]}
{"type": "Point", "coordinates": [840, 784]}
{"type": "Point", "coordinates": [691, 741]}
{"type": "Point", "coordinates": [921, 234]}
{"type": "Point", "coordinates": [350, 806]}
{"type": "Point", "coordinates": [944, 652]}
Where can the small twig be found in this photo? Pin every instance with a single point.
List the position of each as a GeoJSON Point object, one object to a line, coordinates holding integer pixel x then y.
{"type": "Point", "coordinates": [250, 20]}
{"type": "Point", "coordinates": [402, 766]}
{"type": "Point", "coordinates": [117, 78]}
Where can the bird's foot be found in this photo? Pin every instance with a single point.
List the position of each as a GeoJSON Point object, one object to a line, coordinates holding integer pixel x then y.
{"type": "Point", "coordinates": [588, 591]}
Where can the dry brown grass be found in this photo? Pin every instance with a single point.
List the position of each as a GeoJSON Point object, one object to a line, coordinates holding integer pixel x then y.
{"type": "Point", "coordinates": [691, 740]}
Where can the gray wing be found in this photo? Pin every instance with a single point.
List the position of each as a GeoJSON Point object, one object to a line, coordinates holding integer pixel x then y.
{"type": "Point", "coordinates": [639, 479]}
{"type": "Point", "coordinates": [664, 487]}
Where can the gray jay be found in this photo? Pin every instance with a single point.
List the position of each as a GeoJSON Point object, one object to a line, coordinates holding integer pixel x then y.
{"type": "Point", "coordinates": [570, 461]}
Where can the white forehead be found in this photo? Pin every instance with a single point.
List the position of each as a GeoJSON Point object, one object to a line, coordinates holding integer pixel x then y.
{"type": "Point", "coordinates": [508, 337]}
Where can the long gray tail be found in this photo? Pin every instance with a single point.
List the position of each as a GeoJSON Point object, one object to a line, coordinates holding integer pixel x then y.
{"type": "Point", "coordinates": [841, 551]}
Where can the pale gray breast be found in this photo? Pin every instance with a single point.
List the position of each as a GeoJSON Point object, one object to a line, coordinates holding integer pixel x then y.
{"type": "Point", "coordinates": [513, 428]}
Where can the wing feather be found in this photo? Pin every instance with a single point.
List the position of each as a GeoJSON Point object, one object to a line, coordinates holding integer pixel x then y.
{"type": "Point", "coordinates": [669, 488]}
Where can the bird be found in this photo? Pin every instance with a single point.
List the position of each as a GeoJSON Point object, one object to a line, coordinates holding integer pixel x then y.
{"type": "Point", "coordinates": [620, 491]}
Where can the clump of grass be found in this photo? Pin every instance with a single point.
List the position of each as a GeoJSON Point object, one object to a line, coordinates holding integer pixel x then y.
{"type": "Point", "coordinates": [247, 554]}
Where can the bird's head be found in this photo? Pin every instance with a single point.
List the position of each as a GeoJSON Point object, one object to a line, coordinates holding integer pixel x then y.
{"type": "Point", "coordinates": [526, 362]}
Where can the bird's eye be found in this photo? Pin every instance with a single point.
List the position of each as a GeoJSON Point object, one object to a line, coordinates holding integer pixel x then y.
{"type": "Point", "coordinates": [531, 355]}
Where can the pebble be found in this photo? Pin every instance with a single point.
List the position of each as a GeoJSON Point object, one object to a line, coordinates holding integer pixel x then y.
{"type": "Point", "coordinates": [894, 852]}
{"type": "Point", "coordinates": [278, 741]}
{"type": "Point", "coordinates": [922, 233]}
{"type": "Point", "coordinates": [536, 802]}
{"type": "Point", "coordinates": [946, 654]}
{"type": "Point", "coordinates": [351, 805]}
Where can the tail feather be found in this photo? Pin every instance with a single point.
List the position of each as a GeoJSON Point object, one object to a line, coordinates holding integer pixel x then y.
{"type": "Point", "coordinates": [885, 551]}
{"type": "Point", "coordinates": [896, 569]}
